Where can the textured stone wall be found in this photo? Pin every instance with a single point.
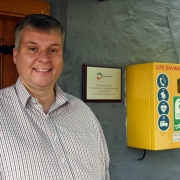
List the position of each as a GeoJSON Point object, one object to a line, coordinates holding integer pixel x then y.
{"type": "Point", "coordinates": [120, 33]}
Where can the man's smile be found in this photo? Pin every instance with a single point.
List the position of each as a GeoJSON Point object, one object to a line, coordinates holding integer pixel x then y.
{"type": "Point", "coordinates": [41, 70]}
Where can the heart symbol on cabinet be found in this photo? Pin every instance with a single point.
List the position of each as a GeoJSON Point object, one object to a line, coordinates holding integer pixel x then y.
{"type": "Point", "coordinates": [163, 108]}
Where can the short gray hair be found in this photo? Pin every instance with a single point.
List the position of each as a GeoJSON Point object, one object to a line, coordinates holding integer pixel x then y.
{"type": "Point", "coordinates": [42, 22]}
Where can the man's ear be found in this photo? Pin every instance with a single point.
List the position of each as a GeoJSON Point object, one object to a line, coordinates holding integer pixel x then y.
{"type": "Point", "coordinates": [15, 54]}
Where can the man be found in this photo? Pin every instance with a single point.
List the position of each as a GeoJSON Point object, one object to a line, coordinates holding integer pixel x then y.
{"type": "Point", "coordinates": [46, 134]}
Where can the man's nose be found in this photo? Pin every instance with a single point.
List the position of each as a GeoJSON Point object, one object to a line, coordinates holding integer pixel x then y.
{"type": "Point", "coordinates": [43, 56]}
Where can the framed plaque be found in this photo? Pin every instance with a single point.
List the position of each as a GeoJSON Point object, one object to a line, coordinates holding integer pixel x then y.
{"type": "Point", "coordinates": [101, 84]}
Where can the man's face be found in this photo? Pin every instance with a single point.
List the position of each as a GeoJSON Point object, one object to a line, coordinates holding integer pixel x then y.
{"type": "Point", "coordinates": [39, 59]}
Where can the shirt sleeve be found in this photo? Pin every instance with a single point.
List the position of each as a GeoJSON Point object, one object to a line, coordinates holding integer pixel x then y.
{"type": "Point", "coordinates": [102, 146]}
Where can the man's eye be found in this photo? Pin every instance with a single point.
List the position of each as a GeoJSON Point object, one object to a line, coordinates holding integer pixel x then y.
{"type": "Point", "coordinates": [53, 50]}
{"type": "Point", "coordinates": [33, 49]}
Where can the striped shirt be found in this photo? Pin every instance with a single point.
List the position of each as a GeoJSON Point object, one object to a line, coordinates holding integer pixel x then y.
{"type": "Point", "coordinates": [67, 143]}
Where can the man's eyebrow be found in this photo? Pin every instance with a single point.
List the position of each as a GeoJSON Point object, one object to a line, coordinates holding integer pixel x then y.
{"type": "Point", "coordinates": [56, 45]}
{"type": "Point", "coordinates": [30, 42]}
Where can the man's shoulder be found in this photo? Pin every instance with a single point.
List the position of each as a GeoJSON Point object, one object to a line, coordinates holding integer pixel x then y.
{"type": "Point", "coordinates": [6, 92]}
{"type": "Point", "coordinates": [75, 101]}
{"type": "Point", "coordinates": [73, 98]}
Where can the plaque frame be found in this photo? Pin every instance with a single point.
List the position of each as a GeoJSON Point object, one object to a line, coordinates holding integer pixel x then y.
{"type": "Point", "coordinates": [90, 92]}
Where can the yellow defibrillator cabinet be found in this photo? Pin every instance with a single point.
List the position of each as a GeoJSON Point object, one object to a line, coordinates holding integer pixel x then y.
{"type": "Point", "coordinates": [153, 106]}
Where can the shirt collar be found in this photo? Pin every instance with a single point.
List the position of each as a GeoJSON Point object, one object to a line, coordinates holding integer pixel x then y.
{"type": "Point", "coordinates": [61, 97]}
{"type": "Point", "coordinates": [22, 92]}
{"type": "Point", "coordinates": [24, 95]}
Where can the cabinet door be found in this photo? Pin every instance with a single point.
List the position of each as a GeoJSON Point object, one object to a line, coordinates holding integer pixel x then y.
{"type": "Point", "coordinates": [10, 13]}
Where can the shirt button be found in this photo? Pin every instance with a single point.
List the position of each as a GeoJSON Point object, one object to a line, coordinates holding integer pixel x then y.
{"type": "Point", "coordinates": [62, 160]}
{"type": "Point", "coordinates": [55, 138]}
